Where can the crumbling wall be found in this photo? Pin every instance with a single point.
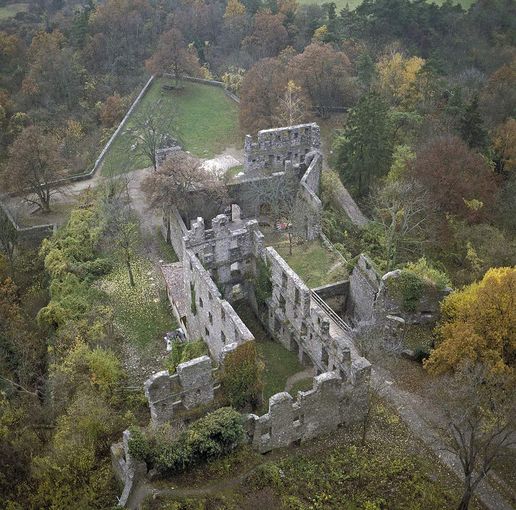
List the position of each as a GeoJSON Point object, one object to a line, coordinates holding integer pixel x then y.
{"type": "Point", "coordinates": [308, 207]}
{"type": "Point", "coordinates": [128, 470]}
{"type": "Point", "coordinates": [208, 315]}
{"type": "Point", "coordinates": [191, 385]}
{"type": "Point", "coordinates": [333, 400]}
{"type": "Point", "coordinates": [364, 283]}
{"type": "Point", "coordinates": [390, 301]}
{"type": "Point", "coordinates": [300, 324]}
{"type": "Point", "coordinates": [273, 147]}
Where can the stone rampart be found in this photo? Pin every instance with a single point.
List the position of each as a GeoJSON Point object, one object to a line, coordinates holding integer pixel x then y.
{"type": "Point", "coordinates": [297, 321]}
{"type": "Point", "coordinates": [191, 385]}
{"type": "Point", "coordinates": [273, 147]}
{"type": "Point", "coordinates": [128, 470]}
{"type": "Point", "coordinates": [334, 400]}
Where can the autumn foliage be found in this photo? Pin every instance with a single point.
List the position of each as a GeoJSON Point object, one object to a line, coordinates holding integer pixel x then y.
{"type": "Point", "coordinates": [479, 325]}
{"type": "Point", "coordinates": [459, 180]}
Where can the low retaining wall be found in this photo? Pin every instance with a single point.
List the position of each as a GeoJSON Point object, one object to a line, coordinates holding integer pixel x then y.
{"type": "Point", "coordinates": [214, 83]}
{"type": "Point", "coordinates": [335, 295]}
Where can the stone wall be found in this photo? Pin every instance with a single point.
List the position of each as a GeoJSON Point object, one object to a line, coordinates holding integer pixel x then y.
{"type": "Point", "coordinates": [301, 325]}
{"type": "Point", "coordinates": [209, 316]}
{"type": "Point", "coordinates": [308, 208]}
{"type": "Point", "coordinates": [364, 283]}
{"type": "Point", "coordinates": [335, 295]}
{"type": "Point", "coordinates": [190, 386]}
{"type": "Point", "coordinates": [128, 470]}
{"type": "Point", "coordinates": [273, 147]}
{"type": "Point", "coordinates": [425, 310]}
{"type": "Point", "coordinates": [334, 400]}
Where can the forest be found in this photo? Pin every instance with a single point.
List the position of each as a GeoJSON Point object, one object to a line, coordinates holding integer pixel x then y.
{"type": "Point", "coordinates": [417, 106]}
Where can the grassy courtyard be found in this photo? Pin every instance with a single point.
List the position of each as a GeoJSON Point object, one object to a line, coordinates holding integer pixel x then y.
{"type": "Point", "coordinates": [314, 263]}
{"type": "Point", "coordinates": [206, 118]}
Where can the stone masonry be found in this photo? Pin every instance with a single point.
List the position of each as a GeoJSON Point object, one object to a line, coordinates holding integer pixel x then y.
{"type": "Point", "coordinates": [273, 147]}
{"type": "Point", "coordinates": [190, 386]}
{"type": "Point", "coordinates": [331, 402]}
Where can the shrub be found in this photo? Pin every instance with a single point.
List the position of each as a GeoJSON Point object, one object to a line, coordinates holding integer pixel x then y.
{"type": "Point", "coordinates": [212, 436]}
{"type": "Point", "coordinates": [139, 445]}
{"type": "Point", "coordinates": [428, 273]}
{"type": "Point", "coordinates": [414, 279]}
{"type": "Point", "coordinates": [242, 378]}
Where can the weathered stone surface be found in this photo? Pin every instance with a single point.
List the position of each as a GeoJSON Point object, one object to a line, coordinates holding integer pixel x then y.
{"type": "Point", "coordinates": [364, 283]}
{"type": "Point", "coordinates": [196, 381]}
{"type": "Point", "coordinates": [190, 386]}
{"type": "Point", "coordinates": [275, 146]}
{"type": "Point", "coordinates": [331, 402]}
{"type": "Point", "coordinates": [128, 470]}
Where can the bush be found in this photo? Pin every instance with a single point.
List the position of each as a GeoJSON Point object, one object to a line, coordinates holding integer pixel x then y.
{"type": "Point", "coordinates": [242, 378]}
{"type": "Point", "coordinates": [212, 436]}
{"type": "Point", "coordinates": [428, 273]}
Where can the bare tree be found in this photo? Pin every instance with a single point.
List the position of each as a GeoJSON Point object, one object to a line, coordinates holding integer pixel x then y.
{"type": "Point", "coordinates": [35, 165]}
{"type": "Point", "coordinates": [277, 197]}
{"type": "Point", "coordinates": [292, 106]}
{"type": "Point", "coordinates": [479, 409]}
{"type": "Point", "coordinates": [183, 182]}
{"type": "Point", "coordinates": [152, 128]}
{"type": "Point", "coordinates": [401, 208]}
{"type": "Point", "coordinates": [122, 223]}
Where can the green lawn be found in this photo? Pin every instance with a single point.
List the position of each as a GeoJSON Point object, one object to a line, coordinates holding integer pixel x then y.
{"type": "Point", "coordinates": [141, 312]}
{"type": "Point", "coordinates": [206, 118]}
{"type": "Point", "coordinates": [353, 4]}
{"type": "Point", "coordinates": [11, 10]}
{"type": "Point", "coordinates": [315, 264]}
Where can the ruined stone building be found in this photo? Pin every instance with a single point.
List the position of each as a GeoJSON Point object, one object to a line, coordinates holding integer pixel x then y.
{"type": "Point", "coordinates": [219, 262]}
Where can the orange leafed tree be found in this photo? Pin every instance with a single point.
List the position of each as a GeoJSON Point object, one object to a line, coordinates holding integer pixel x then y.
{"type": "Point", "coordinates": [174, 56]}
{"type": "Point", "coordinates": [479, 325]}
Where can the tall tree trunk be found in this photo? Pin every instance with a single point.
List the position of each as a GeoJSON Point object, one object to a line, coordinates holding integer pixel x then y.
{"type": "Point", "coordinates": [466, 498]}
{"type": "Point", "coordinates": [130, 271]}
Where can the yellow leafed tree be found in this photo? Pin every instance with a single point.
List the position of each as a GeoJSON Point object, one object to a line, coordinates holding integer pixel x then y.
{"type": "Point", "coordinates": [397, 74]}
{"type": "Point", "coordinates": [234, 8]}
{"type": "Point", "coordinates": [479, 324]}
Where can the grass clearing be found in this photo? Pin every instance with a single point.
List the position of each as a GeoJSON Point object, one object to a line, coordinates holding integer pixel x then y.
{"type": "Point", "coordinates": [11, 10]}
{"type": "Point", "coordinates": [141, 312]}
{"type": "Point", "coordinates": [206, 118]}
{"type": "Point", "coordinates": [302, 385]}
{"type": "Point", "coordinates": [314, 263]}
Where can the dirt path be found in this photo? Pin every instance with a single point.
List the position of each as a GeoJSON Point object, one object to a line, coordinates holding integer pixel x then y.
{"type": "Point", "coordinates": [299, 376]}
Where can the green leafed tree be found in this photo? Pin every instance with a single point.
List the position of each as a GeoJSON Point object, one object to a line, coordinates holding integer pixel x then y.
{"type": "Point", "coordinates": [364, 148]}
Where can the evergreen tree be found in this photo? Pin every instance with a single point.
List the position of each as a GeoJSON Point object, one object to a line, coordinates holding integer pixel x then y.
{"type": "Point", "coordinates": [472, 126]}
{"type": "Point", "coordinates": [364, 148]}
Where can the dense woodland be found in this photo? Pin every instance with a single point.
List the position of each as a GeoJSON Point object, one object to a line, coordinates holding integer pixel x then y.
{"type": "Point", "coordinates": [418, 108]}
